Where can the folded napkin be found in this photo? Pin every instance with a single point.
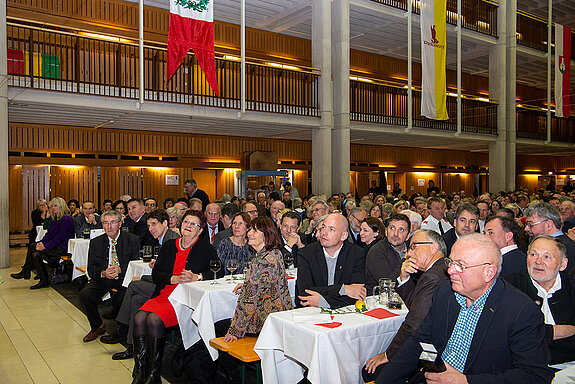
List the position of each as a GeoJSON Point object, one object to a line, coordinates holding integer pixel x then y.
{"type": "Point", "coordinates": [311, 318]}
{"type": "Point", "coordinates": [333, 324]}
{"type": "Point", "coordinates": [289, 277]}
{"type": "Point", "coordinates": [380, 313]}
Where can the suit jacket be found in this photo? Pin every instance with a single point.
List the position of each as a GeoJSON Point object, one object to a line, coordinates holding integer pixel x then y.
{"type": "Point", "coordinates": [353, 240]}
{"type": "Point", "coordinates": [508, 346]}
{"type": "Point", "coordinates": [198, 261]}
{"type": "Point", "coordinates": [222, 235]}
{"type": "Point", "coordinates": [312, 272]}
{"type": "Point", "coordinates": [562, 306]}
{"type": "Point", "coordinates": [449, 237]}
{"type": "Point", "coordinates": [127, 248]}
{"type": "Point", "coordinates": [417, 298]}
{"type": "Point", "coordinates": [170, 235]}
{"type": "Point", "coordinates": [514, 261]}
{"type": "Point", "coordinates": [295, 249]}
{"type": "Point", "coordinates": [382, 261]}
{"type": "Point", "coordinates": [200, 194]}
{"type": "Point", "coordinates": [140, 229]}
{"type": "Point", "coordinates": [570, 245]}
{"type": "Point", "coordinates": [80, 223]}
{"type": "Point", "coordinates": [206, 232]}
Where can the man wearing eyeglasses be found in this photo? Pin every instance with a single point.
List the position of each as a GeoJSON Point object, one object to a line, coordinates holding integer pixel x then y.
{"type": "Point", "coordinates": [483, 328]}
{"type": "Point", "coordinates": [466, 222]}
{"type": "Point", "coordinates": [544, 282]}
{"type": "Point", "coordinates": [426, 253]}
{"type": "Point", "coordinates": [330, 271]}
{"type": "Point", "coordinates": [545, 219]}
{"type": "Point", "coordinates": [356, 216]}
{"type": "Point", "coordinates": [384, 258]}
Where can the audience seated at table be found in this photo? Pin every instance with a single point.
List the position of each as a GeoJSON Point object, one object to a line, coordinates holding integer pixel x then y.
{"type": "Point", "coordinates": [38, 215]}
{"type": "Point", "coordinates": [331, 271]}
{"type": "Point", "coordinates": [121, 207]}
{"type": "Point", "coordinates": [545, 282]}
{"type": "Point", "coordinates": [108, 258]}
{"type": "Point", "coordinates": [182, 260]}
{"type": "Point", "coordinates": [139, 225]}
{"type": "Point", "coordinates": [371, 231]}
{"type": "Point", "coordinates": [53, 246]}
{"type": "Point", "coordinates": [87, 220]}
{"type": "Point", "coordinates": [236, 246]}
{"type": "Point", "coordinates": [292, 240]}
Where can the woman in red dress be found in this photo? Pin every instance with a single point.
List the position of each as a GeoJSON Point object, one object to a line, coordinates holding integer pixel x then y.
{"type": "Point", "coordinates": [182, 260]}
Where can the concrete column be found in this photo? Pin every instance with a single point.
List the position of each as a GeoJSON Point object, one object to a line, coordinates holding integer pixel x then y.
{"type": "Point", "coordinates": [341, 126]}
{"type": "Point", "coordinates": [321, 135]}
{"type": "Point", "coordinates": [511, 69]}
{"type": "Point", "coordinates": [497, 90]}
{"type": "Point", "coordinates": [4, 202]}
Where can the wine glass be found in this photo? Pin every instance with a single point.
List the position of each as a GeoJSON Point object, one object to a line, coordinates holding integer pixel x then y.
{"type": "Point", "coordinates": [215, 266]}
{"type": "Point", "coordinates": [232, 265]}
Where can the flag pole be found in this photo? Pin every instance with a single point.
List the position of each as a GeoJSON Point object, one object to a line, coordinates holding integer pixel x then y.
{"type": "Point", "coordinates": [243, 60]}
{"type": "Point", "coordinates": [458, 68]}
{"type": "Point", "coordinates": [549, 26]}
{"type": "Point", "coordinates": [141, 51]}
{"type": "Point", "coordinates": [409, 71]}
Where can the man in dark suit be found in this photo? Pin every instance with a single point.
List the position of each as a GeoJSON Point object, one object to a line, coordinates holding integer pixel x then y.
{"type": "Point", "coordinates": [384, 258]}
{"type": "Point", "coordinates": [505, 233]}
{"type": "Point", "coordinates": [355, 217]}
{"type": "Point", "coordinates": [545, 219]}
{"type": "Point", "coordinates": [191, 190]}
{"type": "Point", "coordinates": [213, 223]}
{"type": "Point", "coordinates": [108, 259]}
{"type": "Point", "coordinates": [544, 282]}
{"type": "Point", "coordinates": [426, 253]}
{"type": "Point", "coordinates": [139, 226]}
{"type": "Point", "coordinates": [139, 291]}
{"type": "Point", "coordinates": [484, 329]}
{"type": "Point", "coordinates": [292, 240]}
{"type": "Point", "coordinates": [331, 270]}
{"type": "Point", "coordinates": [88, 219]}
{"type": "Point", "coordinates": [466, 222]}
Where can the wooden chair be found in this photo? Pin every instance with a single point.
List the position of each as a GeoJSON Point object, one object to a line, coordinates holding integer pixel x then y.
{"type": "Point", "coordinates": [242, 350]}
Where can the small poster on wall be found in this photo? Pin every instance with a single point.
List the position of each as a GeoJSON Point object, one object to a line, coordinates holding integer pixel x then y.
{"type": "Point", "coordinates": [421, 182]}
{"type": "Point", "coordinates": [172, 179]}
{"type": "Point", "coordinates": [389, 187]}
{"type": "Point", "coordinates": [560, 181]}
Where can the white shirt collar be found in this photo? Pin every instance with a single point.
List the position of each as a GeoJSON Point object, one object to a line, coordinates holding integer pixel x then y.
{"type": "Point", "coordinates": [335, 255]}
{"type": "Point", "coordinates": [545, 295]}
{"type": "Point", "coordinates": [508, 249]}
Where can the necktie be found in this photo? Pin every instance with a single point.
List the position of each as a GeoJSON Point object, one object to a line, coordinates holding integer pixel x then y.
{"type": "Point", "coordinates": [114, 258]}
{"type": "Point", "coordinates": [213, 228]}
{"type": "Point", "coordinates": [440, 228]}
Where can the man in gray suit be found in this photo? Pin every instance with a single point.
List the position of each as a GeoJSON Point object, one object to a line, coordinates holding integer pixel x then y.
{"type": "Point", "coordinates": [89, 219]}
{"type": "Point", "coordinates": [141, 290]}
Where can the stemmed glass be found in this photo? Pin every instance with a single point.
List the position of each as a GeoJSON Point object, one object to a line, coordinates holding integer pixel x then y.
{"type": "Point", "coordinates": [231, 266]}
{"type": "Point", "coordinates": [215, 266]}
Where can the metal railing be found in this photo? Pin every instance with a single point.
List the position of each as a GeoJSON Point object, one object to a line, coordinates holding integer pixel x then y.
{"type": "Point", "coordinates": [72, 63]}
{"type": "Point", "coordinates": [384, 104]}
{"type": "Point", "coordinates": [532, 124]}
{"type": "Point", "coordinates": [532, 32]}
{"type": "Point", "coordinates": [477, 15]}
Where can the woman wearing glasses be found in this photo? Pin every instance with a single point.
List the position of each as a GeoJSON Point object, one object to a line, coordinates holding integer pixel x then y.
{"type": "Point", "coordinates": [181, 260]}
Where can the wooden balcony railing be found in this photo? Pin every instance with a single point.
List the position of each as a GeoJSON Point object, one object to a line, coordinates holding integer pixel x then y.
{"type": "Point", "coordinates": [532, 124]}
{"type": "Point", "coordinates": [478, 15]}
{"type": "Point", "coordinates": [376, 103]}
{"type": "Point", "coordinates": [532, 32]}
{"type": "Point", "coordinates": [72, 63]}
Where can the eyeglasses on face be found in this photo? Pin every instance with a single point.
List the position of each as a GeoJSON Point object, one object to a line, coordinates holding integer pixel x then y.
{"type": "Point", "coordinates": [414, 245]}
{"type": "Point", "coordinates": [460, 267]}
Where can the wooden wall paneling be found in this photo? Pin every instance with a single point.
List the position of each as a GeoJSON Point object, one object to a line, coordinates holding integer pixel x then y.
{"type": "Point", "coordinates": [109, 183]}
{"type": "Point", "coordinates": [131, 181]}
{"type": "Point", "coordinates": [363, 184]}
{"type": "Point", "coordinates": [352, 185]}
{"type": "Point", "coordinates": [19, 202]}
{"type": "Point", "coordinates": [85, 180]}
{"type": "Point", "coordinates": [154, 184]}
{"type": "Point", "coordinates": [225, 179]}
{"type": "Point", "coordinates": [300, 182]}
{"type": "Point", "coordinates": [206, 180]}
{"type": "Point", "coordinates": [529, 182]}
{"type": "Point", "coordinates": [62, 182]}
{"type": "Point", "coordinates": [411, 181]}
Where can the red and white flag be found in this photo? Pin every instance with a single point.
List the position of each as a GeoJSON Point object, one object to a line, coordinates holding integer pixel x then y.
{"type": "Point", "coordinates": [562, 69]}
{"type": "Point", "coordinates": [191, 26]}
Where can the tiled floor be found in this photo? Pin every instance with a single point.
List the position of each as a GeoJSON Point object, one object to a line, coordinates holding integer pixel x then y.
{"type": "Point", "coordinates": [41, 337]}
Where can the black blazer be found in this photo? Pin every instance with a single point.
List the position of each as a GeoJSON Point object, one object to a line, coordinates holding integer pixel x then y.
{"type": "Point", "coordinates": [206, 232]}
{"type": "Point", "coordinates": [198, 261]}
{"type": "Point", "coordinates": [449, 237]}
{"type": "Point", "coordinates": [295, 249]}
{"type": "Point", "coordinates": [417, 298]}
{"type": "Point", "coordinates": [382, 261]}
{"type": "Point", "coordinates": [140, 229]}
{"type": "Point", "coordinates": [127, 248]}
{"type": "Point", "coordinates": [508, 346]}
{"type": "Point", "coordinates": [570, 245]}
{"type": "Point", "coordinates": [562, 306]}
{"type": "Point", "coordinates": [514, 261]}
{"type": "Point", "coordinates": [312, 272]}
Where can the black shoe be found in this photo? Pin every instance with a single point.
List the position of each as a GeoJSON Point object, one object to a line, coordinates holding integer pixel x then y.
{"type": "Point", "coordinates": [155, 353]}
{"type": "Point", "coordinates": [113, 338]}
{"type": "Point", "coordinates": [20, 275]}
{"type": "Point", "coordinates": [41, 284]}
{"type": "Point", "coordinates": [127, 354]}
{"type": "Point", "coordinates": [140, 347]}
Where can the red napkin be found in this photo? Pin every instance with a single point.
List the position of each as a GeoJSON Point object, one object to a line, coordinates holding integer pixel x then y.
{"type": "Point", "coordinates": [380, 313]}
{"type": "Point", "coordinates": [333, 324]}
{"type": "Point", "coordinates": [289, 277]}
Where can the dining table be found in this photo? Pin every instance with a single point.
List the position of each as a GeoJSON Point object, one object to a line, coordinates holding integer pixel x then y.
{"type": "Point", "coordinates": [136, 269]}
{"type": "Point", "coordinates": [79, 248]}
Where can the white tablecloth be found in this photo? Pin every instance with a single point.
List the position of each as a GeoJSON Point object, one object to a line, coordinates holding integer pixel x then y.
{"type": "Point", "coordinates": [287, 344]}
{"type": "Point", "coordinates": [566, 376]}
{"type": "Point", "coordinates": [200, 304]}
{"type": "Point", "coordinates": [136, 268]}
{"type": "Point", "coordinates": [78, 248]}
{"type": "Point", "coordinates": [41, 232]}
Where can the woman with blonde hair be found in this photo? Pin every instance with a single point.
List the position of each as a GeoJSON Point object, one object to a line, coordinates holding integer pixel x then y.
{"type": "Point", "coordinates": [175, 218]}
{"type": "Point", "coordinates": [54, 244]}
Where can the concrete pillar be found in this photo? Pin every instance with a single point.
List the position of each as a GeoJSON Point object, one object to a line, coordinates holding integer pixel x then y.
{"type": "Point", "coordinates": [4, 202]}
{"type": "Point", "coordinates": [497, 90]}
{"type": "Point", "coordinates": [321, 135]}
{"type": "Point", "coordinates": [341, 127]}
{"type": "Point", "coordinates": [511, 69]}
